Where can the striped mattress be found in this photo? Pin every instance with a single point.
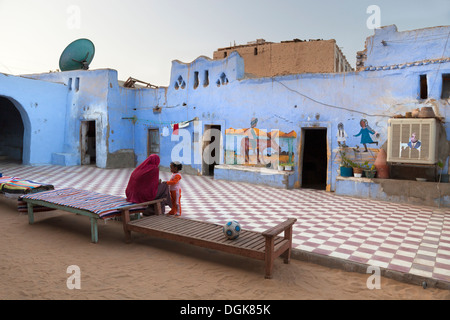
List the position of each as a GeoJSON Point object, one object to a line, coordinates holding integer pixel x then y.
{"type": "Point", "coordinates": [105, 206]}
{"type": "Point", "coordinates": [14, 185]}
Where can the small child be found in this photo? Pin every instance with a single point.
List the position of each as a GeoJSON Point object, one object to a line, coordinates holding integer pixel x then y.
{"type": "Point", "coordinates": [175, 188]}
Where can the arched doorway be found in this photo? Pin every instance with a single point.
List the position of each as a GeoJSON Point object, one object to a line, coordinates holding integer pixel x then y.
{"type": "Point", "coordinates": [11, 131]}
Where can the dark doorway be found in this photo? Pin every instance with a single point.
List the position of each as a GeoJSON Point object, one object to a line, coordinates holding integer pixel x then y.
{"type": "Point", "coordinates": [314, 169]}
{"type": "Point", "coordinates": [211, 149]}
{"type": "Point", "coordinates": [88, 142]}
{"type": "Point", "coordinates": [423, 87]}
{"type": "Point", "coordinates": [11, 131]}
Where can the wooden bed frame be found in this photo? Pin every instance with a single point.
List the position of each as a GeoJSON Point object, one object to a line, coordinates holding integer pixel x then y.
{"type": "Point", "coordinates": [264, 246]}
{"type": "Point", "coordinates": [40, 200]}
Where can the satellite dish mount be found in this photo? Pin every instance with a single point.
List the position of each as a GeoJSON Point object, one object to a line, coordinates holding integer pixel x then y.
{"type": "Point", "coordinates": [84, 64]}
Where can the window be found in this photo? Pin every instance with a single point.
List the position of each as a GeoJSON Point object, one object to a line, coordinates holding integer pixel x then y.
{"type": "Point", "coordinates": [195, 79]}
{"type": "Point", "coordinates": [206, 78]}
{"type": "Point", "coordinates": [77, 84]}
{"type": "Point", "coordinates": [223, 78]}
{"type": "Point", "coordinates": [255, 51]}
{"type": "Point", "coordinates": [180, 83]}
{"type": "Point", "coordinates": [445, 86]}
{"type": "Point", "coordinates": [423, 87]}
{"type": "Point", "coordinates": [225, 54]}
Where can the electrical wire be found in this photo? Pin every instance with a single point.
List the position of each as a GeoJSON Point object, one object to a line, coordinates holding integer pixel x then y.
{"type": "Point", "coordinates": [332, 106]}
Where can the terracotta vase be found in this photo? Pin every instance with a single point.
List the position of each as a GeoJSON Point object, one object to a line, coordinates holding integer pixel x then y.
{"type": "Point", "coordinates": [381, 165]}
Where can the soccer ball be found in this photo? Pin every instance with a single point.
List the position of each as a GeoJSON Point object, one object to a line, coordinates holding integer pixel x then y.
{"type": "Point", "coordinates": [231, 229]}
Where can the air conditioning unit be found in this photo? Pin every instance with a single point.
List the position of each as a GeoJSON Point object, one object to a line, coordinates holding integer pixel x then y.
{"type": "Point", "coordinates": [412, 141]}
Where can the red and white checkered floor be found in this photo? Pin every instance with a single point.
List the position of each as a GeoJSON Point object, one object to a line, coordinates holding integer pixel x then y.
{"type": "Point", "coordinates": [400, 237]}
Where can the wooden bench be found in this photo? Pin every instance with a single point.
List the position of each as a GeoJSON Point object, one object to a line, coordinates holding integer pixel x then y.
{"type": "Point", "coordinates": [91, 204]}
{"type": "Point", "coordinates": [264, 246]}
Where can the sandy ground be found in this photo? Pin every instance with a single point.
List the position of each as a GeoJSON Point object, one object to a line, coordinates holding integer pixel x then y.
{"type": "Point", "coordinates": [34, 261]}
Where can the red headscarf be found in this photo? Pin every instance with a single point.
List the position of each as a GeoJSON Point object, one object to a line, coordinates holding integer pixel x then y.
{"type": "Point", "coordinates": [143, 183]}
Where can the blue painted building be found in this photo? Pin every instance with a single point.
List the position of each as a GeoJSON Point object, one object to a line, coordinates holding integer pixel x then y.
{"type": "Point", "coordinates": [88, 117]}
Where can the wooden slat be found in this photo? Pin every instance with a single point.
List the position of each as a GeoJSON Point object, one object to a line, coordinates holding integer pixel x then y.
{"type": "Point", "coordinates": [276, 241]}
{"type": "Point", "coordinates": [253, 240]}
{"type": "Point", "coordinates": [190, 229]}
{"type": "Point", "coordinates": [218, 236]}
{"type": "Point", "coordinates": [212, 235]}
{"type": "Point", "coordinates": [206, 233]}
{"type": "Point", "coordinates": [243, 240]}
{"type": "Point", "coordinates": [182, 227]}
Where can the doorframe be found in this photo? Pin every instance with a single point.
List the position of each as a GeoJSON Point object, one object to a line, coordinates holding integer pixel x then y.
{"type": "Point", "coordinates": [84, 143]}
{"type": "Point", "coordinates": [206, 127]}
{"type": "Point", "coordinates": [148, 140]}
{"type": "Point", "coordinates": [301, 146]}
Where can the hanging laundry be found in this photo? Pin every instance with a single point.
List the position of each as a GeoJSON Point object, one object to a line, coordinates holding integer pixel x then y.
{"type": "Point", "coordinates": [175, 129]}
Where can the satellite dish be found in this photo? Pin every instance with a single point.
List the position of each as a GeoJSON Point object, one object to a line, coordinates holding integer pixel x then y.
{"type": "Point", "coordinates": [77, 55]}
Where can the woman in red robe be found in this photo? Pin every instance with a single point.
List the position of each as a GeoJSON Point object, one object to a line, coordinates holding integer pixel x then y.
{"type": "Point", "coordinates": [145, 185]}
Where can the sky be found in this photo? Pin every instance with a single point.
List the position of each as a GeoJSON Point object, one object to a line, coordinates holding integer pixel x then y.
{"type": "Point", "coordinates": [141, 38]}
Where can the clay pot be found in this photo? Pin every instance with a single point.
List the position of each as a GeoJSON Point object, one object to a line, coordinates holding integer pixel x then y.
{"type": "Point", "coordinates": [415, 113]}
{"type": "Point", "coordinates": [408, 115]}
{"type": "Point", "coordinates": [426, 112]}
{"type": "Point", "coordinates": [381, 165]}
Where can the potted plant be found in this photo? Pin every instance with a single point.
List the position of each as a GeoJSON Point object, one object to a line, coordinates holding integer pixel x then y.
{"type": "Point", "coordinates": [357, 170]}
{"type": "Point", "coordinates": [346, 168]}
{"type": "Point", "coordinates": [281, 167]}
{"type": "Point", "coordinates": [288, 166]}
{"type": "Point", "coordinates": [370, 172]}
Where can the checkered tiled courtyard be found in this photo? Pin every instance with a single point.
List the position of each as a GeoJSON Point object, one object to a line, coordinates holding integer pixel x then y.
{"type": "Point", "coordinates": [399, 237]}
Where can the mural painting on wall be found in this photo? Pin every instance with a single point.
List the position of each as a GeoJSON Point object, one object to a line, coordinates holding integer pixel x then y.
{"type": "Point", "coordinates": [368, 136]}
{"type": "Point", "coordinates": [341, 136]}
{"type": "Point", "coordinates": [365, 133]}
{"type": "Point", "coordinates": [256, 147]}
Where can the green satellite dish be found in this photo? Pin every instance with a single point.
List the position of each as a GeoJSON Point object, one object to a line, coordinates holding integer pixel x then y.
{"type": "Point", "coordinates": [77, 55]}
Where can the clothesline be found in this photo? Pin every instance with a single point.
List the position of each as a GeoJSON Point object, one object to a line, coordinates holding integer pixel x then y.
{"type": "Point", "coordinates": [135, 119]}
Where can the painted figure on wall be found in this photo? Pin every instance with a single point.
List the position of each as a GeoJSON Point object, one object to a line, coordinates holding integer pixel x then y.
{"type": "Point", "coordinates": [252, 146]}
{"type": "Point", "coordinates": [341, 136]}
{"type": "Point", "coordinates": [414, 143]}
{"type": "Point", "coordinates": [365, 133]}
